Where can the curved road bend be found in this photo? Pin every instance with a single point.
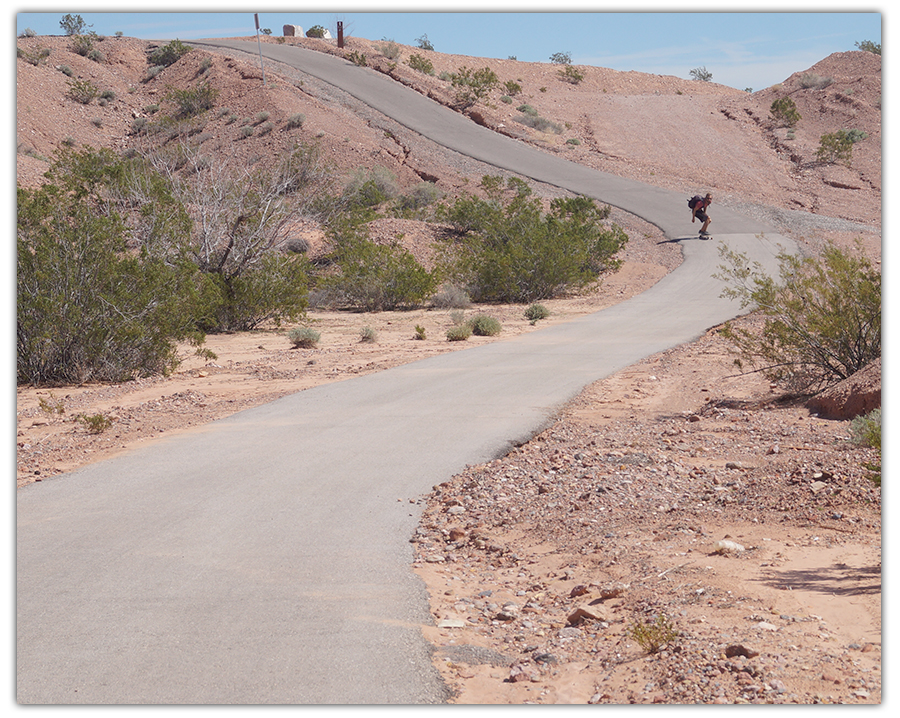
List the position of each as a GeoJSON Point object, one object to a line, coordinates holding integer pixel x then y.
{"type": "Point", "coordinates": [265, 558]}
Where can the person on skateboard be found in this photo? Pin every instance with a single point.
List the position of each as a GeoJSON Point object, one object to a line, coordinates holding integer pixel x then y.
{"type": "Point", "coordinates": [698, 207]}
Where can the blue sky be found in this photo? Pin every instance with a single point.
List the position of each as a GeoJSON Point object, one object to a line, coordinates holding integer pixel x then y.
{"type": "Point", "coordinates": [740, 49]}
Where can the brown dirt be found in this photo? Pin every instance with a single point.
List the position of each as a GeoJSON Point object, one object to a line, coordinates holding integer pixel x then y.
{"type": "Point", "coordinates": [615, 509]}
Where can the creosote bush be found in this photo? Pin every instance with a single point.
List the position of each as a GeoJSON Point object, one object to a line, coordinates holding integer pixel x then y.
{"type": "Point", "coordinates": [822, 318]}
{"type": "Point", "coordinates": [485, 326]}
{"type": "Point", "coordinates": [508, 250]}
{"type": "Point", "coordinates": [168, 54]}
{"type": "Point", "coordinates": [784, 110]}
{"type": "Point", "coordinates": [304, 337]}
{"type": "Point", "coordinates": [652, 637]}
{"type": "Point", "coordinates": [536, 312]}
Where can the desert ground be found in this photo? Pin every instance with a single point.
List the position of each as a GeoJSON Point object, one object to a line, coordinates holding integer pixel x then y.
{"type": "Point", "coordinates": [540, 564]}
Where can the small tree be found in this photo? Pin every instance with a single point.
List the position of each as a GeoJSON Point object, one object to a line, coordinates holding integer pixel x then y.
{"type": "Point", "coordinates": [835, 147]}
{"type": "Point", "coordinates": [701, 74]}
{"type": "Point", "coordinates": [316, 31]}
{"type": "Point", "coordinates": [822, 320]}
{"type": "Point", "coordinates": [561, 58]}
{"type": "Point", "coordinates": [423, 43]}
{"type": "Point", "coordinates": [869, 46]}
{"type": "Point", "coordinates": [73, 24]}
{"type": "Point", "coordinates": [784, 110]}
{"type": "Point", "coordinates": [168, 54]}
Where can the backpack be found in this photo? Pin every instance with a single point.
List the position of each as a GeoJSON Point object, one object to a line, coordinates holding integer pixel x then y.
{"type": "Point", "coordinates": [694, 201]}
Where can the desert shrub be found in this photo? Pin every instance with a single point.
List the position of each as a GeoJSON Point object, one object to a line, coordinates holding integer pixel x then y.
{"type": "Point", "coordinates": [368, 335]}
{"type": "Point", "coordinates": [272, 289]}
{"type": "Point", "coordinates": [510, 251]}
{"type": "Point", "coordinates": [701, 74]}
{"type": "Point", "coordinates": [485, 326]}
{"type": "Point", "coordinates": [82, 45]}
{"type": "Point", "coordinates": [168, 54]}
{"type": "Point", "coordinates": [389, 49]}
{"type": "Point", "coordinates": [421, 64]}
{"type": "Point", "coordinates": [506, 99]}
{"type": "Point", "coordinates": [822, 319]}
{"type": "Point", "coordinates": [451, 297]}
{"type": "Point", "coordinates": [512, 87]}
{"type": "Point", "coordinates": [260, 117]}
{"type": "Point", "coordinates": [357, 58]}
{"type": "Point", "coordinates": [296, 120]}
{"type": "Point", "coordinates": [869, 46]}
{"type": "Point", "coordinates": [87, 310]}
{"type": "Point", "coordinates": [420, 196]}
{"type": "Point", "coordinates": [812, 81]}
{"type": "Point", "coordinates": [866, 430]}
{"type": "Point", "coordinates": [266, 128]}
{"type": "Point", "coordinates": [459, 333]}
{"type": "Point", "coordinates": [573, 141]}
{"type": "Point", "coordinates": [835, 147]}
{"type": "Point", "coordinates": [571, 74]}
{"type": "Point", "coordinates": [855, 136]}
{"type": "Point", "coordinates": [193, 101]}
{"type": "Point", "coordinates": [66, 70]}
{"type": "Point", "coordinates": [304, 337]}
{"type": "Point", "coordinates": [527, 110]}
{"type": "Point", "coordinates": [247, 131]}
{"type": "Point", "coordinates": [652, 637]}
{"type": "Point", "coordinates": [542, 124]}
{"type": "Point", "coordinates": [83, 91]}
{"type": "Point", "coordinates": [94, 423]}
{"type": "Point", "coordinates": [377, 277]}
{"type": "Point", "coordinates": [473, 85]}
{"type": "Point", "coordinates": [536, 312]}
{"type": "Point", "coordinates": [28, 32]}
{"type": "Point", "coordinates": [420, 333]}
{"type": "Point", "coordinates": [36, 57]}
{"type": "Point", "coordinates": [370, 187]}
{"type": "Point", "coordinates": [73, 24]}
{"type": "Point", "coordinates": [784, 110]}
{"type": "Point", "coordinates": [424, 44]}
{"type": "Point", "coordinates": [561, 58]}
{"type": "Point", "coordinates": [316, 31]}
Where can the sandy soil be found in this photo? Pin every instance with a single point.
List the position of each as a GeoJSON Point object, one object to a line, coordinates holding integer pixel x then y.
{"type": "Point", "coordinates": [539, 565]}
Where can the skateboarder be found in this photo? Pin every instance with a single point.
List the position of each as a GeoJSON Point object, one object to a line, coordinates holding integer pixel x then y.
{"type": "Point", "coordinates": [698, 207]}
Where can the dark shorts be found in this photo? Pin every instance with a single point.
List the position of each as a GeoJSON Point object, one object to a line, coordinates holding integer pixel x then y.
{"type": "Point", "coordinates": [701, 215]}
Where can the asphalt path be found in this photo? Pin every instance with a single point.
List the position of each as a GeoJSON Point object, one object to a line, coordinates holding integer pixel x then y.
{"type": "Point", "coordinates": [265, 558]}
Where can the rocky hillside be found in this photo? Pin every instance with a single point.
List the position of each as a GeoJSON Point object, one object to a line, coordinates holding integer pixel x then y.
{"type": "Point", "coordinates": [679, 134]}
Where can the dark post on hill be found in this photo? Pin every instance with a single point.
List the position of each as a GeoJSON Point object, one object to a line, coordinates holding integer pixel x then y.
{"type": "Point", "coordinates": [259, 47]}
{"type": "Point", "coordinates": [340, 29]}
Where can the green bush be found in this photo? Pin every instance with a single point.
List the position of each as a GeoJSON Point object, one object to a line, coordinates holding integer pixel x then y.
{"type": "Point", "coordinates": [421, 64]}
{"type": "Point", "coordinates": [485, 326]}
{"type": "Point", "coordinates": [193, 101]}
{"type": "Point", "coordinates": [536, 312]}
{"type": "Point", "coordinates": [784, 110]}
{"type": "Point", "coordinates": [866, 430]}
{"type": "Point", "coordinates": [423, 43]}
{"type": "Point", "coordinates": [512, 87]}
{"type": "Point", "coordinates": [473, 85]}
{"type": "Point", "coordinates": [370, 187]}
{"type": "Point", "coordinates": [83, 91]}
{"type": "Point", "coordinates": [510, 251]}
{"type": "Point", "coordinates": [296, 120]}
{"type": "Point", "coordinates": [822, 320]}
{"type": "Point", "coordinates": [372, 276]}
{"type": "Point", "coordinates": [653, 636]}
{"type": "Point", "coordinates": [571, 74]}
{"type": "Point", "coordinates": [701, 74]}
{"type": "Point", "coordinates": [316, 31]}
{"type": "Point", "coordinates": [357, 58]}
{"type": "Point", "coordinates": [869, 46]}
{"type": "Point", "coordinates": [835, 147]}
{"type": "Point", "coordinates": [73, 24]}
{"type": "Point", "coordinates": [561, 58]}
{"type": "Point", "coordinates": [304, 337]}
{"type": "Point", "coordinates": [88, 310]}
{"type": "Point", "coordinates": [168, 54]}
{"type": "Point", "coordinates": [459, 333]}
{"type": "Point", "coordinates": [368, 335]}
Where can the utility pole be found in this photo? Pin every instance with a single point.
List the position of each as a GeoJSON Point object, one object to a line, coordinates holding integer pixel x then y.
{"type": "Point", "coordinates": [259, 46]}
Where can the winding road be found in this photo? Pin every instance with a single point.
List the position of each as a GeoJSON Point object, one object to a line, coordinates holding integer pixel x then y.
{"type": "Point", "coordinates": [265, 558]}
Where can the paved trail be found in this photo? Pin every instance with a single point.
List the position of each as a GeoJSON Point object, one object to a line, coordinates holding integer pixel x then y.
{"type": "Point", "coordinates": [265, 558]}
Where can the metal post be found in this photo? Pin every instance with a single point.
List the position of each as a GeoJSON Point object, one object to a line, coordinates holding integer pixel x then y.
{"type": "Point", "coordinates": [259, 46]}
{"type": "Point", "coordinates": [340, 29]}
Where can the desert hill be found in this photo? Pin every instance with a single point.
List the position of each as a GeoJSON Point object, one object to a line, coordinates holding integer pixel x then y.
{"type": "Point", "coordinates": [685, 135]}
